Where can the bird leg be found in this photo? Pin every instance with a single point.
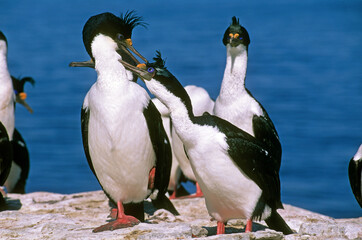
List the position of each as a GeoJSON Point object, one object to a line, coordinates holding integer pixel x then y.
{"type": "Point", "coordinates": [220, 228]}
{"type": "Point", "coordinates": [173, 195]}
{"type": "Point", "coordinates": [151, 178]}
{"type": "Point", "coordinates": [198, 191]}
{"type": "Point", "coordinates": [114, 213]}
{"type": "Point", "coordinates": [197, 194]}
{"type": "Point", "coordinates": [249, 226]}
{"type": "Point", "coordinates": [122, 221]}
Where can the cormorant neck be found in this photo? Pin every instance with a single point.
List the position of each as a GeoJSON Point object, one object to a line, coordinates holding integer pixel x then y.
{"type": "Point", "coordinates": [180, 107]}
{"type": "Point", "coordinates": [108, 68]}
{"type": "Point", "coordinates": [233, 83]}
{"type": "Point", "coordinates": [5, 78]}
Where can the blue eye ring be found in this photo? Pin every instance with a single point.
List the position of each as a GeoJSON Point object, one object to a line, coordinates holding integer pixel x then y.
{"type": "Point", "coordinates": [240, 38]}
{"type": "Point", "coordinates": [150, 69]}
{"type": "Point", "coordinates": [120, 36]}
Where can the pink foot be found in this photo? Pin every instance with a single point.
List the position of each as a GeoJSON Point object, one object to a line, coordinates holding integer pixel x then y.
{"type": "Point", "coordinates": [249, 226]}
{"type": "Point", "coordinates": [173, 195]}
{"type": "Point", "coordinates": [124, 222]}
{"type": "Point", "coordinates": [197, 194]}
{"type": "Point", "coordinates": [220, 228]}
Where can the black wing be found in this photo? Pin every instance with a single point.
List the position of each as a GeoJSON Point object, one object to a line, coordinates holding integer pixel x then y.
{"type": "Point", "coordinates": [265, 132]}
{"type": "Point", "coordinates": [6, 155]}
{"type": "Point", "coordinates": [21, 158]}
{"type": "Point", "coordinates": [162, 148]}
{"type": "Point", "coordinates": [251, 157]}
{"type": "Point", "coordinates": [354, 174]}
{"type": "Point", "coordinates": [84, 125]}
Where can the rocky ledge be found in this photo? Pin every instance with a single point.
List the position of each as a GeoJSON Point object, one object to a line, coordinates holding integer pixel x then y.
{"type": "Point", "coordinates": [42, 215]}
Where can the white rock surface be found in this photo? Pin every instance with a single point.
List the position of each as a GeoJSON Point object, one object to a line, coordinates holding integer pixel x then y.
{"type": "Point", "coordinates": [43, 215]}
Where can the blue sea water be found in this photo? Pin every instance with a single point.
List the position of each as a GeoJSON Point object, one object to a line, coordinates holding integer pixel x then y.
{"type": "Point", "coordinates": [304, 66]}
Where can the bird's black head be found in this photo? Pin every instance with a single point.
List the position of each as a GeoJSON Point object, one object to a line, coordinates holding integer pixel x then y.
{"type": "Point", "coordinates": [3, 38]}
{"type": "Point", "coordinates": [20, 95]}
{"type": "Point", "coordinates": [156, 73]}
{"type": "Point", "coordinates": [235, 34]}
{"type": "Point", "coordinates": [117, 28]}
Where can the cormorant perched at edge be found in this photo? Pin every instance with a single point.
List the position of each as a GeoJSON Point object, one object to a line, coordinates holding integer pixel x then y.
{"type": "Point", "coordinates": [124, 141]}
{"type": "Point", "coordinates": [237, 174]}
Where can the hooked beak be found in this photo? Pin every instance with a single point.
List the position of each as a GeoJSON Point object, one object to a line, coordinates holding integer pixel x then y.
{"type": "Point", "coordinates": [20, 98]}
{"type": "Point", "coordinates": [127, 43]}
{"type": "Point", "coordinates": [88, 63]}
{"type": "Point", "coordinates": [124, 46]}
{"type": "Point", "coordinates": [140, 70]}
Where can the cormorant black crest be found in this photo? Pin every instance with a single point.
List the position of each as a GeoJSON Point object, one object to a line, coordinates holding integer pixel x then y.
{"type": "Point", "coordinates": [130, 20]}
{"type": "Point", "coordinates": [169, 81]}
{"type": "Point", "coordinates": [159, 62]}
{"type": "Point", "coordinates": [235, 21]}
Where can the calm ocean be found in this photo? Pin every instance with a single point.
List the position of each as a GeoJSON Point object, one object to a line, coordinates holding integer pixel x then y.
{"type": "Point", "coordinates": [305, 67]}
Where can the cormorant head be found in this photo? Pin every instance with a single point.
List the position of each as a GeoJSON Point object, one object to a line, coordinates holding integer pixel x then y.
{"type": "Point", "coordinates": [3, 43]}
{"type": "Point", "coordinates": [20, 95]}
{"type": "Point", "coordinates": [159, 80]}
{"type": "Point", "coordinates": [235, 34]}
{"type": "Point", "coordinates": [117, 29]}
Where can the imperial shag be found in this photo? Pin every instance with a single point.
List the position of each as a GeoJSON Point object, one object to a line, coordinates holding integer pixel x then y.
{"type": "Point", "coordinates": [235, 103]}
{"type": "Point", "coordinates": [237, 174]}
{"type": "Point", "coordinates": [124, 141]}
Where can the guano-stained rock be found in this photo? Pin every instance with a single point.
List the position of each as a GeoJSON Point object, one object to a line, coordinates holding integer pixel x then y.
{"type": "Point", "coordinates": [43, 215]}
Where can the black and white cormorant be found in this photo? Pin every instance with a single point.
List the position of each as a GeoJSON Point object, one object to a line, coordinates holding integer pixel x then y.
{"type": "Point", "coordinates": [355, 175]}
{"type": "Point", "coordinates": [7, 118]}
{"type": "Point", "coordinates": [237, 174]}
{"type": "Point", "coordinates": [235, 103]}
{"type": "Point", "coordinates": [16, 181]}
{"type": "Point", "coordinates": [124, 141]}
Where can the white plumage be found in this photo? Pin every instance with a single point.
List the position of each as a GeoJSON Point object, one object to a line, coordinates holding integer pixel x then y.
{"type": "Point", "coordinates": [234, 103]}
{"type": "Point", "coordinates": [7, 96]}
{"type": "Point", "coordinates": [119, 143]}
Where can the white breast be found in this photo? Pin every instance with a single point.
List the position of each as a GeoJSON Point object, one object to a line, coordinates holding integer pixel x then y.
{"type": "Point", "coordinates": [239, 112]}
{"type": "Point", "coordinates": [228, 192]}
{"type": "Point", "coordinates": [119, 141]}
{"type": "Point", "coordinates": [7, 96]}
